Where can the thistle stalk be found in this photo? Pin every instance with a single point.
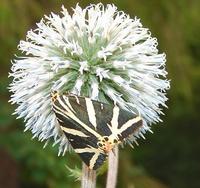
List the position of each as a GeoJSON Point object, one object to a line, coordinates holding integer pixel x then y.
{"type": "Point", "coordinates": [88, 177]}
{"type": "Point", "coordinates": [113, 159]}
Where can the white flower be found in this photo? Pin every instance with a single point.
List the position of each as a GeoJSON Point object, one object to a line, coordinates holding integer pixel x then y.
{"type": "Point", "coordinates": [98, 47]}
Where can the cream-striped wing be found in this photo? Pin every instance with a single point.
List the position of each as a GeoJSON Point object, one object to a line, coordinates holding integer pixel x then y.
{"type": "Point", "coordinates": [93, 128]}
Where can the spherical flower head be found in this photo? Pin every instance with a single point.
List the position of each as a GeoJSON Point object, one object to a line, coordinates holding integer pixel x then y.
{"type": "Point", "coordinates": [97, 52]}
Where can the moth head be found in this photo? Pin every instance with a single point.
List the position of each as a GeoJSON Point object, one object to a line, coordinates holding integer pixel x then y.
{"type": "Point", "coordinates": [54, 95]}
{"type": "Point", "coordinates": [107, 143]}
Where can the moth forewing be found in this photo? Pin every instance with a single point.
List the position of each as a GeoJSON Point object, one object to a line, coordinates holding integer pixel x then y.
{"type": "Point", "coordinates": [130, 127]}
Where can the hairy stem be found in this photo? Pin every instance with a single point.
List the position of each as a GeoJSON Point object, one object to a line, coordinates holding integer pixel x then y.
{"type": "Point", "coordinates": [112, 168]}
{"type": "Point", "coordinates": [88, 177]}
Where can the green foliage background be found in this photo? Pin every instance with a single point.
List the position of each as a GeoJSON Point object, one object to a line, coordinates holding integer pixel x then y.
{"type": "Point", "coordinates": [169, 158]}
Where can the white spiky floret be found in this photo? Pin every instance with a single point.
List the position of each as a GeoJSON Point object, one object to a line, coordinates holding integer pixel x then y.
{"type": "Point", "coordinates": [98, 52]}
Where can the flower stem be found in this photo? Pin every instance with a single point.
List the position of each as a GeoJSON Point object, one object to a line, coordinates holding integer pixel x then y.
{"type": "Point", "coordinates": [88, 177]}
{"type": "Point", "coordinates": [112, 168]}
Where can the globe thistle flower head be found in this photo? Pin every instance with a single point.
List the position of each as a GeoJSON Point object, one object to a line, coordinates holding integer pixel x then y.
{"type": "Point", "coordinates": [97, 52]}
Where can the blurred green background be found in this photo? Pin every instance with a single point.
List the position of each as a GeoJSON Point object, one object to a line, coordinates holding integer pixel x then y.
{"type": "Point", "coordinates": [169, 158]}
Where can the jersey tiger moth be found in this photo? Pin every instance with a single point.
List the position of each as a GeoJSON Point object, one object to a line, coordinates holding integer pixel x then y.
{"type": "Point", "coordinates": [93, 128]}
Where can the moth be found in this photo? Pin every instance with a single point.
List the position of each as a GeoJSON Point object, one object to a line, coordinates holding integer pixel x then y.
{"type": "Point", "coordinates": [93, 128]}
